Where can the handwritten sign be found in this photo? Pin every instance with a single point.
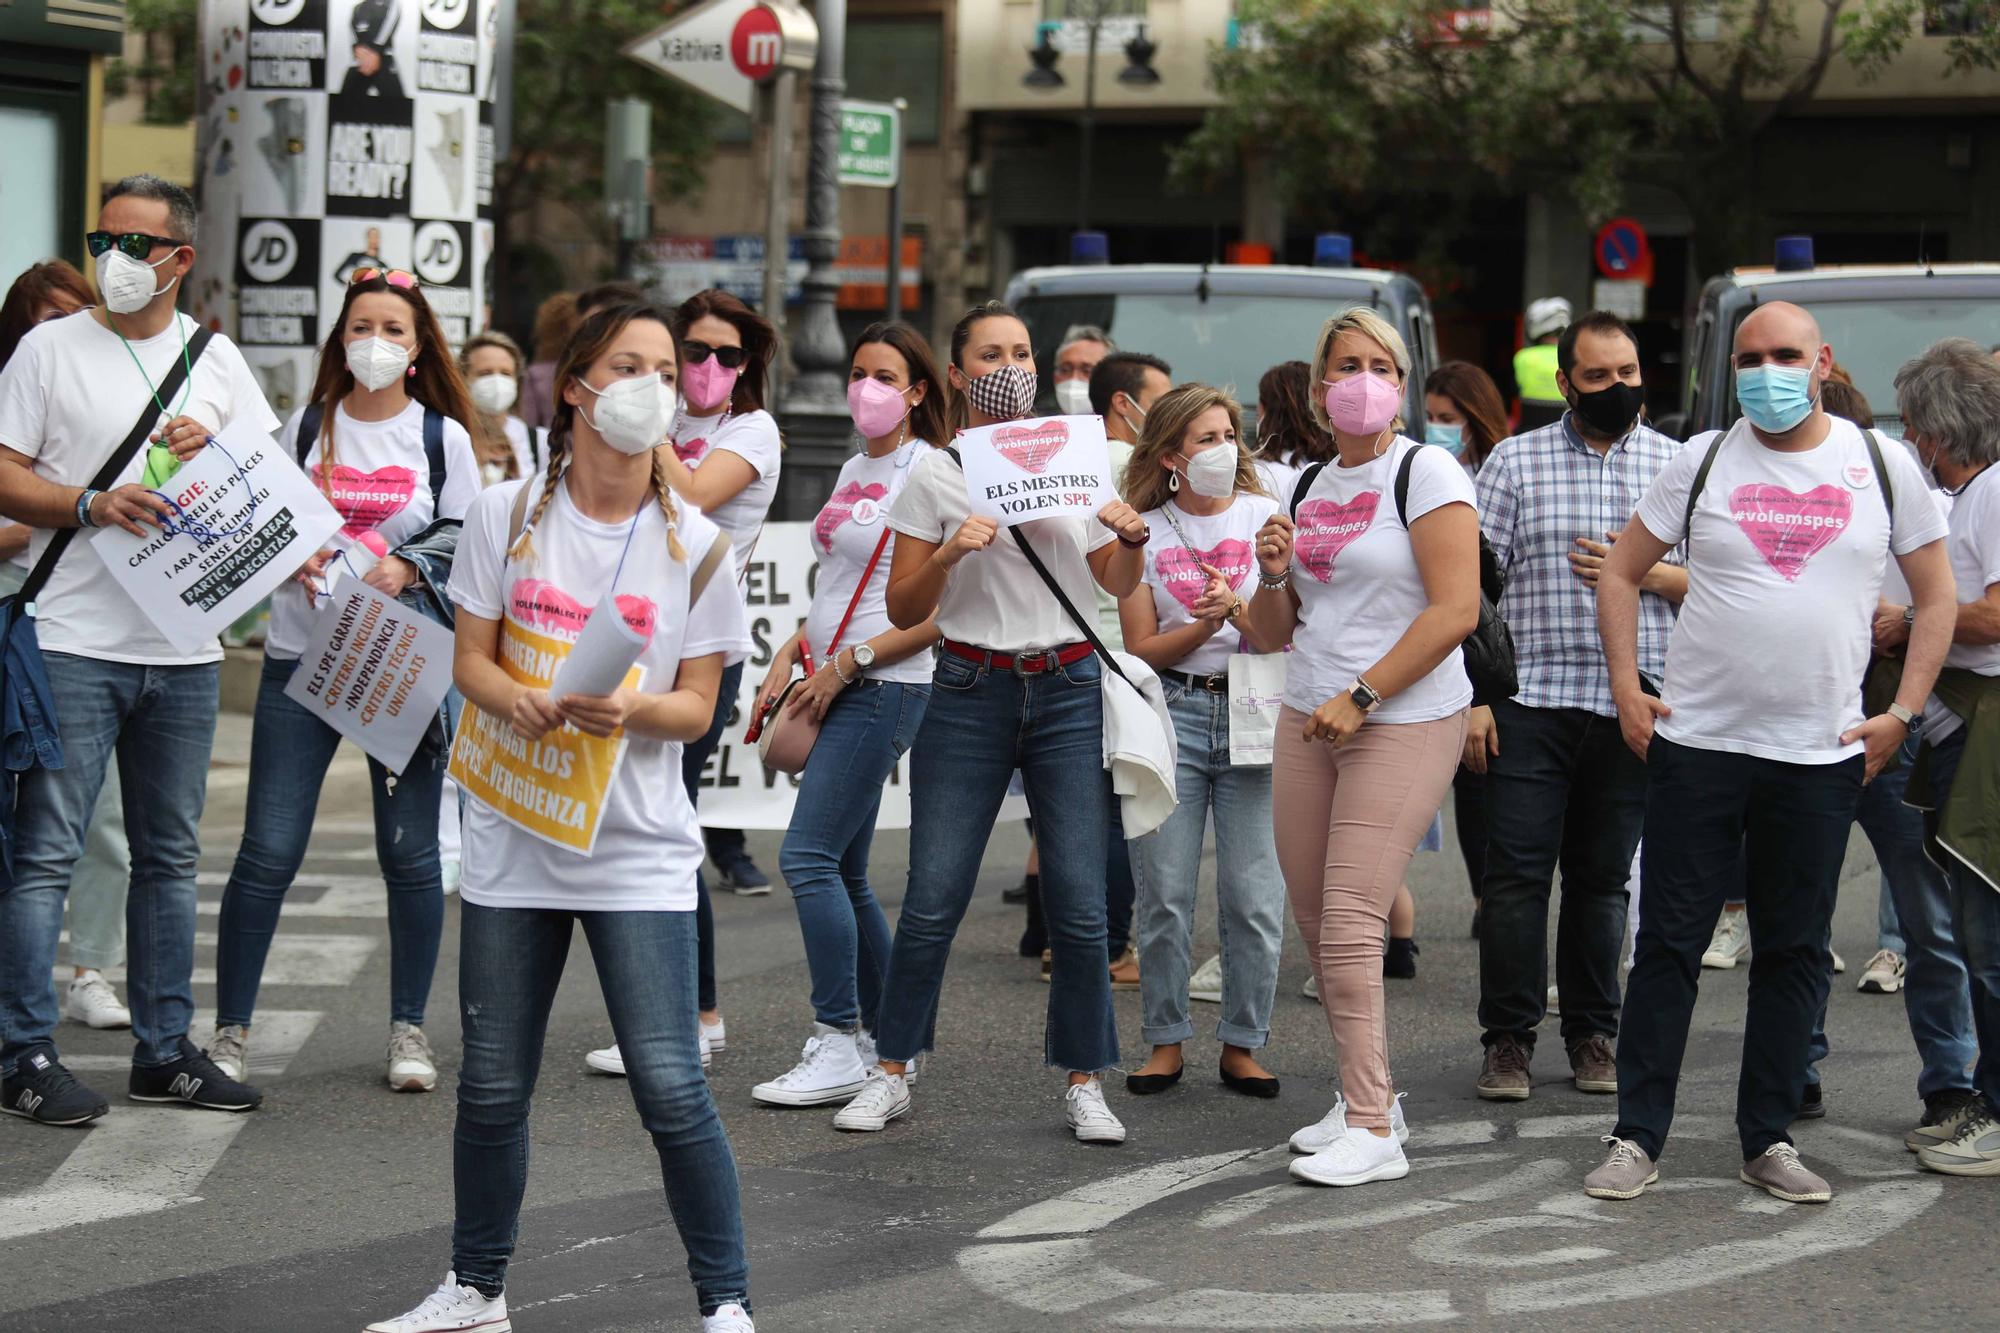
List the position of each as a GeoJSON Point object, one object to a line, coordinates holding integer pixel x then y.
{"type": "Point", "coordinates": [375, 671]}
{"type": "Point", "coordinates": [1041, 468]}
{"type": "Point", "coordinates": [252, 519]}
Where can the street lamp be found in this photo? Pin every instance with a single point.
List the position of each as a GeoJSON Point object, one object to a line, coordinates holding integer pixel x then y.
{"type": "Point", "coordinates": [1138, 73]}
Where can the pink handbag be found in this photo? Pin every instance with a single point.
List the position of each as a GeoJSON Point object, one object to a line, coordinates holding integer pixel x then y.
{"type": "Point", "coordinates": [785, 740]}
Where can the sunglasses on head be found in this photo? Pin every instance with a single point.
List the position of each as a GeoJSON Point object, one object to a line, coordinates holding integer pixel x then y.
{"type": "Point", "coordinates": [732, 358]}
{"type": "Point", "coordinates": [395, 277]}
{"type": "Point", "coordinates": [133, 244]}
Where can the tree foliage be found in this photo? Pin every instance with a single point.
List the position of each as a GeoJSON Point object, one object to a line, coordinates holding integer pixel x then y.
{"type": "Point", "coordinates": [165, 73]}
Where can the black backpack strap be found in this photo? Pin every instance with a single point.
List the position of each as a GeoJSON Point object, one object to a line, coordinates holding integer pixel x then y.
{"type": "Point", "coordinates": [309, 423]}
{"type": "Point", "coordinates": [1700, 480]}
{"type": "Point", "coordinates": [1881, 474]}
{"type": "Point", "coordinates": [121, 457]}
{"type": "Point", "coordinates": [1306, 479]}
{"type": "Point", "coordinates": [434, 451]}
{"type": "Point", "coordinates": [536, 437]}
{"type": "Point", "coordinates": [1403, 486]}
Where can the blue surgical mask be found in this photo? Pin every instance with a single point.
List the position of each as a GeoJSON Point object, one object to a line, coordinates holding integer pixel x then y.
{"type": "Point", "coordinates": [1450, 437]}
{"type": "Point", "coordinates": [1775, 398]}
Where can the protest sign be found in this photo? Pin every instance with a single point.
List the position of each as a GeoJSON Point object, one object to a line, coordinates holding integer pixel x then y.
{"type": "Point", "coordinates": [248, 518]}
{"type": "Point", "coordinates": [1024, 470]}
{"type": "Point", "coordinates": [375, 671]}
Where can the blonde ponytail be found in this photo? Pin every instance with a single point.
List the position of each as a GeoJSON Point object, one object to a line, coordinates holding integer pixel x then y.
{"type": "Point", "coordinates": [666, 497]}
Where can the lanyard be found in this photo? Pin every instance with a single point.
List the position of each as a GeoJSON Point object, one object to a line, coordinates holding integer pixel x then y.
{"type": "Point", "coordinates": [187, 384]}
{"type": "Point", "coordinates": [179, 524]}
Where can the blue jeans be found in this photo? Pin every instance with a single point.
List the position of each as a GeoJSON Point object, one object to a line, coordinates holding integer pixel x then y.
{"type": "Point", "coordinates": [825, 856]}
{"type": "Point", "coordinates": [1975, 924]}
{"type": "Point", "coordinates": [290, 749]}
{"type": "Point", "coordinates": [161, 722]}
{"type": "Point", "coordinates": [981, 725]}
{"type": "Point", "coordinates": [1249, 891]}
{"type": "Point", "coordinates": [510, 962]}
{"type": "Point", "coordinates": [694, 758]}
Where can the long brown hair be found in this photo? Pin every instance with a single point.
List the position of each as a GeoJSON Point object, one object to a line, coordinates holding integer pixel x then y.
{"type": "Point", "coordinates": [930, 420]}
{"type": "Point", "coordinates": [555, 321]}
{"type": "Point", "coordinates": [1286, 431]}
{"type": "Point", "coordinates": [592, 339]}
{"type": "Point", "coordinates": [489, 435]}
{"type": "Point", "coordinates": [1477, 398]}
{"type": "Point", "coordinates": [33, 289]}
{"type": "Point", "coordinates": [961, 334]}
{"type": "Point", "coordinates": [1144, 484]}
{"type": "Point", "coordinates": [760, 341]}
{"type": "Point", "coordinates": [436, 383]}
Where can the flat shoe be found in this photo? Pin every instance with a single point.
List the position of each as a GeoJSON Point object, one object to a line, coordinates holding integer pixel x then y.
{"type": "Point", "coordinates": [1143, 1085]}
{"type": "Point", "coordinates": [1249, 1087]}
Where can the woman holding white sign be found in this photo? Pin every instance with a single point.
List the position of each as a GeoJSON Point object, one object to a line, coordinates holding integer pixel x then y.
{"type": "Point", "coordinates": [1201, 495]}
{"type": "Point", "coordinates": [867, 683]}
{"type": "Point", "coordinates": [384, 436]}
{"type": "Point", "coordinates": [600, 533]}
{"type": "Point", "coordinates": [1017, 686]}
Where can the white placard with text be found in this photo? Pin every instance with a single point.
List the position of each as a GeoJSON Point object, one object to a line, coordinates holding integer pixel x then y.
{"type": "Point", "coordinates": [1040, 468]}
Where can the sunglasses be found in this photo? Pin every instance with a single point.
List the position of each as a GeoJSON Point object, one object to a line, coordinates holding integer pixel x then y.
{"type": "Point", "coordinates": [395, 277]}
{"type": "Point", "coordinates": [732, 358]}
{"type": "Point", "coordinates": [133, 244]}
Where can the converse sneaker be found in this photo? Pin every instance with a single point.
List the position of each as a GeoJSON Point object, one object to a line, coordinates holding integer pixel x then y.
{"type": "Point", "coordinates": [1206, 983]}
{"type": "Point", "coordinates": [608, 1061]}
{"type": "Point", "coordinates": [702, 1045]}
{"type": "Point", "coordinates": [411, 1067]}
{"type": "Point", "coordinates": [41, 1089]}
{"type": "Point", "coordinates": [1884, 973]}
{"type": "Point", "coordinates": [717, 1034]}
{"type": "Point", "coordinates": [830, 1070]}
{"type": "Point", "coordinates": [1625, 1174]}
{"type": "Point", "coordinates": [1089, 1118]}
{"type": "Point", "coordinates": [1311, 989]}
{"type": "Point", "coordinates": [882, 1098]}
{"type": "Point", "coordinates": [193, 1080]}
{"type": "Point", "coordinates": [1974, 1150]}
{"type": "Point", "coordinates": [1944, 1113]}
{"type": "Point", "coordinates": [1779, 1172]}
{"type": "Point", "coordinates": [1839, 963]}
{"type": "Point", "coordinates": [451, 1309]}
{"type": "Point", "coordinates": [93, 1003]}
{"type": "Point", "coordinates": [1355, 1158]}
{"type": "Point", "coordinates": [730, 1318]}
{"type": "Point", "coordinates": [864, 1046]}
{"type": "Point", "coordinates": [1320, 1135]}
{"type": "Point", "coordinates": [1730, 944]}
{"type": "Point", "coordinates": [230, 1049]}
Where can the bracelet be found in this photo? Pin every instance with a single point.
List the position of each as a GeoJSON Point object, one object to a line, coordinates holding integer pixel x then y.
{"type": "Point", "coordinates": [1132, 545]}
{"type": "Point", "coordinates": [835, 664]}
{"type": "Point", "coordinates": [1283, 580]}
{"type": "Point", "coordinates": [83, 519]}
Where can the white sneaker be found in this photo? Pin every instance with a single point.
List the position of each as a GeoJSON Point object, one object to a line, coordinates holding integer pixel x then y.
{"type": "Point", "coordinates": [830, 1070]}
{"type": "Point", "coordinates": [1206, 983]}
{"type": "Point", "coordinates": [608, 1061]}
{"type": "Point", "coordinates": [451, 1309]}
{"type": "Point", "coordinates": [1311, 989]}
{"type": "Point", "coordinates": [731, 1318]}
{"type": "Point", "coordinates": [450, 871]}
{"type": "Point", "coordinates": [716, 1034]}
{"type": "Point", "coordinates": [1884, 973]}
{"type": "Point", "coordinates": [1355, 1158]}
{"type": "Point", "coordinates": [1839, 963]}
{"type": "Point", "coordinates": [93, 1003]}
{"type": "Point", "coordinates": [1320, 1135]}
{"type": "Point", "coordinates": [411, 1066]}
{"type": "Point", "coordinates": [1730, 944]}
{"type": "Point", "coordinates": [882, 1098]}
{"type": "Point", "coordinates": [864, 1045]}
{"type": "Point", "coordinates": [230, 1050]}
{"type": "Point", "coordinates": [1089, 1118]}
{"type": "Point", "coordinates": [1553, 1001]}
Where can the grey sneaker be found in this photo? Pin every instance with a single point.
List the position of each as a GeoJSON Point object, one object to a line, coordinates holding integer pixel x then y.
{"type": "Point", "coordinates": [1944, 1113]}
{"type": "Point", "coordinates": [230, 1049]}
{"type": "Point", "coordinates": [1973, 1151]}
{"type": "Point", "coordinates": [1625, 1173]}
{"type": "Point", "coordinates": [1779, 1172]}
{"type": "Point", "coordinates": [1503, 1077]}
{"type": "Point", "coordinates": [411, 1065]}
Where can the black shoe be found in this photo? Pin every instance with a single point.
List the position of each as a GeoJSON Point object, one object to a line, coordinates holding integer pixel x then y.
{"type": "Point", "coordinates": [1812, 1104]}
{"type": "Point", "coordinates": [193, 1079]}
{"type": "Point", "coordinates": [1034, 943]}
{"type": "Point", "coordinates": [1249, 1087]}
{"type": "Point", "coordinates": [1475, 918]}
{"type": "Point", "coordinates": [741, 874]}
{"type": "Point", "coordinates": [1142, 1085]}
{"type": "Point", "coordinates": [1029, 886]}
{"type": "Point", "coordinates": [1401, 959]}
{"type": "Point", "coordinates": [41, 1089]}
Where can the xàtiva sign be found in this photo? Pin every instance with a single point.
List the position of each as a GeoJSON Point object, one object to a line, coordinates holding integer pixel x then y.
{"type": "Point", "coordinates": [724, 48]}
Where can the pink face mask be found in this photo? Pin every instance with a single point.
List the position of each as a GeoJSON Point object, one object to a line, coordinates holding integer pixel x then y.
{"type": "Point", "coordinates": [1362, 404]}
{"type": "Point", "coordinates": [708, 384]}
{"type": "Point", "coordinates": [876, 407]}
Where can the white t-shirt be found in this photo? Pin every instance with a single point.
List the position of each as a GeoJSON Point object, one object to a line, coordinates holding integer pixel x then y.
{"type": "Point", "coordinates": [648, 845]}
{"type": "Point", "coordinates": [849, 527]}
{"type": "Point", "coordinates": [1785, 566]}
{"type": "Point", "coordinates": [67, 400]}
{"type": "Point", "coordinates": [1896, 588]}
{"type": "Point", "coordinates": [531, 445]}
{"type": "Point", "coordinates": [1356, 576]}
{"type": "Point", "coordinates": [1228, 541]}
{"type": "Point", "coordinates": [1279, 478]}
{"type": "Point", "coordinates": [751, 436]}
{"type": "Point", "coordinates": [381, 484]}
{"type": "Point", "coordinates": [1109, 628]}
{"type": "Point", "coordinates": [993, 598]}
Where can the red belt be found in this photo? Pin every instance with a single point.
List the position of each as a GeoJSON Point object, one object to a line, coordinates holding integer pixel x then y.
{"type": "Point", "coordinates": [1021, 664]}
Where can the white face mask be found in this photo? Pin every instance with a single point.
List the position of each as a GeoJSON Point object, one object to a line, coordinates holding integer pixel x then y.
{"type": "Point", "coordinates": [633, 414]}
{"type": "Point", "coordinates": [494, 391]}
{"type": "Point", "coordinates": [1073, 397]}
{"type": "Point", "coordinates": [376, 362]}
{"type": "Point", "coordinates": [129, 284]}
{"type": "Point", "coordinates": [1212, 472]}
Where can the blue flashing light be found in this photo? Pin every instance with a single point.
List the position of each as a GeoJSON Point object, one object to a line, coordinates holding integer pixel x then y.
{"type": "Point", "coordinates": [1795, 254]}
{"type": "Point", "coordinates": [1333, 249]}
{"type": "Point", "coordinates": [1089, 247]}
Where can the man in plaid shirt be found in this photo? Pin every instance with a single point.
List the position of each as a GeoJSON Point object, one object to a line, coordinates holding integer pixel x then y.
{"type": "Point", "coordinates": [1562, 788]}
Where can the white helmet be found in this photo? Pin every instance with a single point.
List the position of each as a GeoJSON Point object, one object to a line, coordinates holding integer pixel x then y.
{"type": "Point", "coordinates": [1549, 315]}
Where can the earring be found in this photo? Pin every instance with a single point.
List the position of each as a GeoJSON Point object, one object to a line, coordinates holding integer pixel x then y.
{"type": "Point", "coordinates": [1173, 481]}
{"type": "Point", "coordinates": [411, 373]}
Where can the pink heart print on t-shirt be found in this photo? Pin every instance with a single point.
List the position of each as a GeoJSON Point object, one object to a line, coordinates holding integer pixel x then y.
{"type": "Point", "coordinates": [1789, 529]}
{"type": "Point", "coordinates": [541, 605]}
{"type": "Point", "coordinates": [366, 500]}
{"type": "Point", "coordinates": [692, 452]}
{"type": "Point", "coordinates": [840, 508]}
{"type": "Point", "coordinates": [1031, 447]}
{"type": "Point", "coordinates": [1325, 528]}
{"type": "Point", "coordinates": [1180, 569]}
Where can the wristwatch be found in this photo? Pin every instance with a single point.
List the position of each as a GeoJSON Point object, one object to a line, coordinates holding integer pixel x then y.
{"type": "Point", "coordinates": [864, 656]}
{"type": "Point", "coordinates": [1909, 616]}
{"type": "Point", "coordinates": [1914, 722]}
{"type": "Point", "coordinates": [1364, 696]}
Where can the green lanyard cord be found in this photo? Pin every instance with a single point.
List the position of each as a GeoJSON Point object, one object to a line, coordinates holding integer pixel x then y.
{"type": "Point", "coordinates": [187, 383]}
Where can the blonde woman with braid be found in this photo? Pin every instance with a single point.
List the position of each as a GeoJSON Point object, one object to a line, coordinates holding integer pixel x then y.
{"type": "Point", "coordinates": [604, 529]}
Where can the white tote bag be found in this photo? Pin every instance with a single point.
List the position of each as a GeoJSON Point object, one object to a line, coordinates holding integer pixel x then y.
{"type": "Point", "coordinates": [1256, 690]}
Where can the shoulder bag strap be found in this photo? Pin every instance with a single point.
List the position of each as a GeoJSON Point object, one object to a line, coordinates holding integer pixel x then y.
{"type": "Point", "coordinates": [1403, 487]}
{"type": "Point", "coordinates": [1881, 474]}
{"type": "Point", "coordinates": [434, 452]}
{"type": "Point", "coordinates": [1306, 479]}
{"type": "Point", "coordinates": [309, 421]}
{"type": "Point", "coordinates": [1700, 480]}
{"type": "Point", "coordinates": [709, 564]}
{"type": "Point", "coordinates": [833, 645]}
{"type": "Point", "coordinates": [517, 517]}
{"type": "Point", "coordinates": [120, 458]}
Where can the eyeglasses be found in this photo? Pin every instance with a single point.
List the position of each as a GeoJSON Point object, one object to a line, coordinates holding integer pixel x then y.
{"type": "Point", "coordinates": [133, 244]}
{"type": "Point", "coordinates": [732, 358]}
{"type": "Point", "coordinates": [395, 277]}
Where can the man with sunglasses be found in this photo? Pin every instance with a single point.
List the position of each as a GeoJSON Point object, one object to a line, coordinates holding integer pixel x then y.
{"type": "Point", "coordinates": [75, 390]}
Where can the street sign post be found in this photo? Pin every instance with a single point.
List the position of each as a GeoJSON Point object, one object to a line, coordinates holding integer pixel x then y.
{"type": "Point", "coordinates": [871, 155]}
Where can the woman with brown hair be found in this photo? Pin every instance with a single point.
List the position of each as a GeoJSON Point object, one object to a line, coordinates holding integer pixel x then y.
{"type": "Point", "coordinates": [384, 436]}
{"type": "Point", "coordinates": [555, 320]}
{"type": "Point", "coordinates": [45, 291]}
{"type": "Point", "coordinates": [1288, 439]}
{"type": "Point", "coordinates": [508, 447]}
{"type": "Point", "coordinates": [1464, 413]}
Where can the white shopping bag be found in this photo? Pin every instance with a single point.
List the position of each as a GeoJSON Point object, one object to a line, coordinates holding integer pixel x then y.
{"type": "Point", "coordinates": [1256, 690]}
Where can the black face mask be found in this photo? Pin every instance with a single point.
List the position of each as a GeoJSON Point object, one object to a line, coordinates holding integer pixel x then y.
{"type": "Point", "coordinates": [1611, 411]}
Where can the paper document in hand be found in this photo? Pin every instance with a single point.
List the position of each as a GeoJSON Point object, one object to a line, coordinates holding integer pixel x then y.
{"type": "Point", "coordinates": [374, 670]}
{"type": "Point", "coordinates": [601, 655]}
{"type": "Point", "coordinates": [1024, 470]}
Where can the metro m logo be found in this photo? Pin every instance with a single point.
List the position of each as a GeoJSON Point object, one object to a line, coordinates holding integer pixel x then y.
{"type": "Point", "coordinates": [763, 48]}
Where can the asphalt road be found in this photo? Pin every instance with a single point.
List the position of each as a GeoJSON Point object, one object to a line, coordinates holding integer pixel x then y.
{"type": "Point", "coordinates": [332, 1205]}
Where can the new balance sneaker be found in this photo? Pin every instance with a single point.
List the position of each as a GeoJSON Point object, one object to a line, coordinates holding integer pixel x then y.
{"type": "Point", "coordinates": [192, 1079]}
{"type": "Point", "coordinates": [91, 1002]}
{"type": "Point", "coordinates": [1206, 983]}
{"type": "Point", "coordinates": [411, 1066]}
{"type": "Point", "coordinates": [1779, 1173]}
{"type": "Point", "coordinates": [1322, 1133]}
{"type": "Point", "coordinates": [830, 1070]}
{"type": "Point", "coordinates": [1973, 1151]}
{"type": "Point", "coordinates": [1730, 944]}
{"type": "Point", "coordinates": [1944, 1113]}
{"type": "Point", "coordinates": [1089, 1118]}
{"type": "Point", "coordinates": [1884, 973]}
{"type": "Point", "coordinates": [41, 1089]}
{"type": "Point", "coordinates": [882, 1098]}
{"type": "Point", "coordinates": [1626, 1172]}
{"type": "Point", "coordinates": [230, 1049]}
{"type": "Point", "coordinates": [451, 1309]}
{"type": "Point", "coordinates": [741, 874]}
{"type": "Point", "coordinates": [717, 1034]}
{"type": "Point", "coordinates": [1355, 1158]}
{"type": "Point", "coordinates": [731, 1318]}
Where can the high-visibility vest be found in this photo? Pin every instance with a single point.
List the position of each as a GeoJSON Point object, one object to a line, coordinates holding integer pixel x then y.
{"type": "Point", "coordinates": [1535, 373]}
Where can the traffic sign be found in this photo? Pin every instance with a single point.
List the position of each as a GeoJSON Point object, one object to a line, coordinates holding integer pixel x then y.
{"type": "Point", "coordinates": [1623, 252]}
{"type": "Point", "coordinates": [724, 48]}
{"type": "Point", "coordinates": [870, 144]}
